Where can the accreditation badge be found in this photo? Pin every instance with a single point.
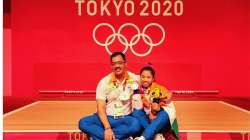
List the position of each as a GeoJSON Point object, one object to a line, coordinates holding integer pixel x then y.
{"type": "Point", "coordinates": [118, 108]}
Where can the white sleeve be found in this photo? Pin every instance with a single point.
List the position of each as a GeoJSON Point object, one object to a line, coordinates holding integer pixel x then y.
{"type": "Point", "coordinates": [137, 78]}
{"type": "Point", "coordinates": [100, 91]}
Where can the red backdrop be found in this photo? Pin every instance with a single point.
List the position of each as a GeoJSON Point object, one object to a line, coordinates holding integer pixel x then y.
{"type": "Point", "coordinates": [52, 47]}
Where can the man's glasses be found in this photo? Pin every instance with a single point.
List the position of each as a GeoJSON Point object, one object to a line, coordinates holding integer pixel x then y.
{"type": "Point", "coordinates": [117, 63]}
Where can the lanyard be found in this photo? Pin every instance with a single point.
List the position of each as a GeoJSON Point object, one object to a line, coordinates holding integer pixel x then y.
{"type": "Point", "coordinates": [123, 83]}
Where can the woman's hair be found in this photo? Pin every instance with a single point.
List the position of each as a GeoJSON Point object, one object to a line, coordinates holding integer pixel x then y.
{"type": "Point", "coordinates": [149, 68]}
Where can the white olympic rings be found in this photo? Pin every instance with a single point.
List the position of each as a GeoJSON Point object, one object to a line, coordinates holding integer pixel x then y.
{"type": "Point", "coordinates": [133, 41]}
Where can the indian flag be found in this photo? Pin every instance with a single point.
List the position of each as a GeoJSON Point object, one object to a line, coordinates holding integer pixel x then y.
{"type": "Point", "coordinates": [170, 109]}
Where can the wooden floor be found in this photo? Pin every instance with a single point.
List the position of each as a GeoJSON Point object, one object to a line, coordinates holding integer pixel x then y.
{"type": "Point", "coordinates": [63, 116]}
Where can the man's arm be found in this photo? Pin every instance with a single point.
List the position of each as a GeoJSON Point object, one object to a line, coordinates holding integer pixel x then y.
{"type": "Point", "coordinates": [101, 111]}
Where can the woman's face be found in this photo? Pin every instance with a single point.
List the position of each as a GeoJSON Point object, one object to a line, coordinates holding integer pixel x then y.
{"type": "Point", "coordinates": [146, 78]}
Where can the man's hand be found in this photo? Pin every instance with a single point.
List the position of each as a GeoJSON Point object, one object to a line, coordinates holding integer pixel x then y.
{"type": "Point", "coordinates": [108, 134]}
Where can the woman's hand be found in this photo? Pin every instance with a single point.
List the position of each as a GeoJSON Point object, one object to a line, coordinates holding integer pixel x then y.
{"type": "Point", "coordinates": [155, 107]}
{"type": "Point", "coordinates": [145, 102]}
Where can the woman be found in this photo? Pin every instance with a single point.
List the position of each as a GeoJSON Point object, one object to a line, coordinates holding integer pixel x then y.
{"type": "Point", "coordinates": [153, 108]}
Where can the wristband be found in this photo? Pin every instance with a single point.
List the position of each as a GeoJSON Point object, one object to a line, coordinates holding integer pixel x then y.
{"type": "Point", "coordinates": [107, 128]}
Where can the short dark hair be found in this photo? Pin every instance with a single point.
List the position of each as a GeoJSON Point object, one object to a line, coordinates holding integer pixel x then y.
{"type": "Point", "coordinates": [148, 68]}
{"type": "Point", "coordinates": [114, 54]}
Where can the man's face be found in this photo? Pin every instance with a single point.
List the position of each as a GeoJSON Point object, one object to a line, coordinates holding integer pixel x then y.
{"type": "Point", "coordinates": [118, 65]}
{"type": "Point", "coordinates": [146, 78]}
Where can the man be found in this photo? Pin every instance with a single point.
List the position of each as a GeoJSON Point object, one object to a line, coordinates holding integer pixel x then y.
{"type": "Point", "coordinates": [113, 119]}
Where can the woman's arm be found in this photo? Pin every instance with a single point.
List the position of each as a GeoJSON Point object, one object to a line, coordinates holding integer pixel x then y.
{"type": "Point", "coordinates": [145, 101]}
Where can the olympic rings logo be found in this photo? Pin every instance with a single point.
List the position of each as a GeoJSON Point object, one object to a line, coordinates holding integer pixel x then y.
{"type": "Point", "coordinates": [133, 41]}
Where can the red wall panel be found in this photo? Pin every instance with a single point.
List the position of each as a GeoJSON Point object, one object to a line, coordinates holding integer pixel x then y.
{"type": "Point", "coordinates": [205, 48]}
